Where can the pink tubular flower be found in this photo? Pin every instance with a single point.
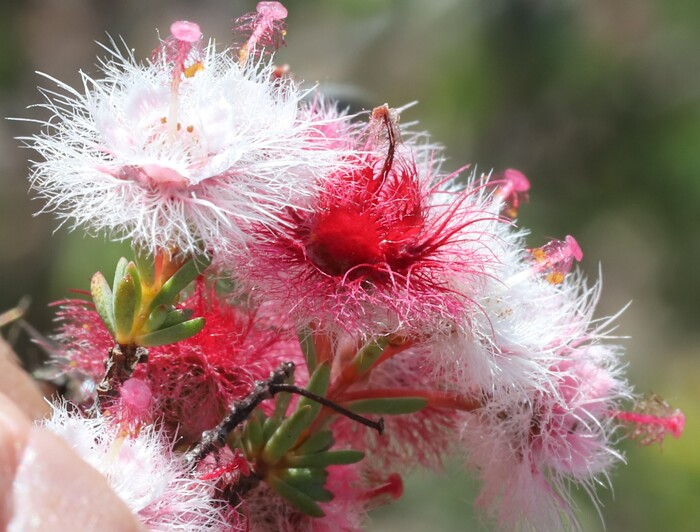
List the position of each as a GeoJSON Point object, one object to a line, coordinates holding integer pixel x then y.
{"type": "Point", "coordinates": [378, 246]}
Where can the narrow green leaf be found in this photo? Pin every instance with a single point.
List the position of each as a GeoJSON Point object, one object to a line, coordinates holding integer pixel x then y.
{"type": "Point", "coordinates": [305, 475]}
{"type": "Point", "coordinates": [306, 341]}
{"type": "Point", "coordinates": [369, 354]}
{"type": "Point", "coordinates": [171, 335]}
{"type": "Point", "coordinates": [314, 489]}
{"type": "Point", "coordinates": [124, 308]}
{"type": "Point", "coordinates": [316, 443]}
{"type": "Point", "coordinates": [119, 272]}
{"type": "Point", "coordinates": [318, 384]}
{"type": "Point", "coordinates": [254, 435]}
{"type": "Point", "coordinates": [133, 271]}
{"type": "Point", "coordinates": [145, 265]}
{"type": "Point", "coordinates": [342, 457]}
{"type": "Point", "coordinates": [157, 318]}
{"type": "Point", "coordinates": [389, 406]}
{"type": "Point", "coordinates": [103, 299]}
{"type": "Point", "coordinates": [271, 424]}
{"type": "Point", "coordinates": [296, 498]}
{"type": "Point", "coordinates": [287, 435]}
{"type": "Point", "coordinates": [282, 401]}
{"type": "Point", "coordinates": [187, 273]}
{"type": "Point", "coordinates": [177, 316]}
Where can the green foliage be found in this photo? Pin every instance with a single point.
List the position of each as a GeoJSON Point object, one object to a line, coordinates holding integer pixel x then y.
{"type": "Point", "coordinates": [139, 313]}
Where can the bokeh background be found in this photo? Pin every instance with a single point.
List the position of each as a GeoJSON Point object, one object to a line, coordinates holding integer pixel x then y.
{"type": "Point", "coordinates": [597, 101]}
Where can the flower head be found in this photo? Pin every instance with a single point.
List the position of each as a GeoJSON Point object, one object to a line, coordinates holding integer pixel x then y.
{"type": "Point", "coordinates": [142, 470]}
{"type": "Point", "coordinates": [531, 445]}
{"type": "Point", "coordinates": [181, 150]}
{"type": "Point", "coordinates": [377, 247]}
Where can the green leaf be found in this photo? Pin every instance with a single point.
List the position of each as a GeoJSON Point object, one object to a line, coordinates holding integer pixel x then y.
{"type": "Point", "coordinates": [119, 272]}
{"type": "Point", "coordinates": [271, 424]}
{"type": "Point", "coordinates": [282, 401]}
{"type": "Point", "coordinates": [287, 435]}
{"type": "Point", "coordinates": [342, 457]}
{"type": "Point", "coordinates": [314, 489]}
{"type": "Point", "coordinates": [157, 318]}
{"type": "Point", "coordinates": [177, 316]}
{"type": "Point", "coordinates": [296, 498]}
{"type": "Point", "coordinates": [306, 341]}
{"type": "Point", "coordinates": [133, 271]}
{"type": "Point", "coordinates": [254, 435]}
{"type": "Point", "coordinates": [318, 384]}
{"type": "Point", "coordinates": [187, 273]}
{"type": "Point", "coordinates": [103, 299]}
{"type": "Point", "coordinates": [146, 267]}
{"type": "Point", "coordinates": [316, 443]}
{"type": "Point", "coordinates": [171, 335]}
{"type": "Point", "coordinates": [369, 354]}
{"type": "Point", "coordinates": [389, 406]}
{"type": "Point", "coordinates": [305, 475]}
{"type": "Point", "coordinates": [124, 308]}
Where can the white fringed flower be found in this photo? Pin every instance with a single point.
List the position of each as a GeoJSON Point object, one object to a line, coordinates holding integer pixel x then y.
{"type": "Point", "coordinates": [142, 471]}
{"type": "Point", "coordinates": [181, 150]}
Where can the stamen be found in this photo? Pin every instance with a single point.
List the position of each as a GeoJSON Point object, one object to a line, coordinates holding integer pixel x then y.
{"type": "Point", "coordinates": [556, 259]}
{"type": "Point", "coordinates": [553, 260]}
{"type": "Point", "coordinates": [266, 27]}
{"type": "Point", "coordinates": [652, 420]}
{"type": "Point", "coordinates": [512, 189]}
{"type": "Point", "coordinates": [185, 31]}
{"type": "Point", "coordinates": [176, 50]}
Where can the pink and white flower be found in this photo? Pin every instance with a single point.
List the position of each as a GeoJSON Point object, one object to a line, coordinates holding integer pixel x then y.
{"type": "Point", "coordinates": [375, 250]}
{"type": "Point", "coordinates": [142, 470]}
{"type": "Point", "coordinates": [181, 150]}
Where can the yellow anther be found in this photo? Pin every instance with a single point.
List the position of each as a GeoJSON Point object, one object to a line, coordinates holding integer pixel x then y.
{"type": "Point", "coordinates": [191, 70]}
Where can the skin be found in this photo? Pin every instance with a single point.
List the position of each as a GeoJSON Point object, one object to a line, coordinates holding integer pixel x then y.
{"type": "Point", "coordinates": [44, 485]}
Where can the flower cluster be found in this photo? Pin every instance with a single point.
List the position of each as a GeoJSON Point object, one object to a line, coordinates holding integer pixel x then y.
{"type": "Point", "coordinates": [315, 307]}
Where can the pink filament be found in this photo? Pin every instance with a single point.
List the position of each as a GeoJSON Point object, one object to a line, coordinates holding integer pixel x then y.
{"type": "Point", "coordinates": [392, 487]}
{"type": "Point", "coordinates": [649, 424]}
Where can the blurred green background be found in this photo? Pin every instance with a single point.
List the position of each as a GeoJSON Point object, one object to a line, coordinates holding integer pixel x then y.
{"type": "Point", "coordinates": [597, 101]}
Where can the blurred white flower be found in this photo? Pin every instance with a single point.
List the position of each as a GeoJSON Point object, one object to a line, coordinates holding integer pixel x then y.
{"type": "Point", "coordinates": [142, 470]}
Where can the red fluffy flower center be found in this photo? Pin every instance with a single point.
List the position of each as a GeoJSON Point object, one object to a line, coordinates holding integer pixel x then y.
{"type": "Point", "coordinates": [343, 238]}
{"type": "Point", "coordinates": [372, 227]}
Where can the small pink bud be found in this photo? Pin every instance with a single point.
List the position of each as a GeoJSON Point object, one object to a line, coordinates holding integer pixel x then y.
{"type": "Point", "coordinates": [136, 394]}
{"type": "Point", "coordinates": [186, 31]}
